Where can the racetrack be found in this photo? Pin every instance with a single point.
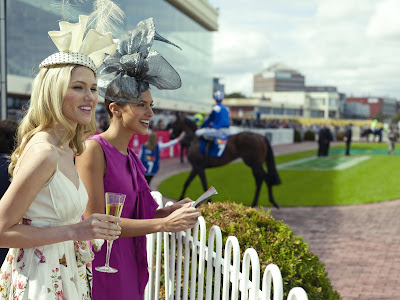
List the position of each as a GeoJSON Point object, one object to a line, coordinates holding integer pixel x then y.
{"type": "Point", "coordinates": [358, 243]}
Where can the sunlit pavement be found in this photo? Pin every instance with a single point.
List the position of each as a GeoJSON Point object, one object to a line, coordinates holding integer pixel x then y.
{"type": "Point", "coordinates": [359, 244]}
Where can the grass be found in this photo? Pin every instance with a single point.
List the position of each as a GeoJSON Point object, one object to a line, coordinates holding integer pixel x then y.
{"type": "Point", "coordinates": [373, 180]}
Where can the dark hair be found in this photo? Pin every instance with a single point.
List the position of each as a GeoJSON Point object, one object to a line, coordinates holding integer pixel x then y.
{"type": "Point", "coordinates": [8, 136]}
{"type": "Point", "coordinates": [107, 105]}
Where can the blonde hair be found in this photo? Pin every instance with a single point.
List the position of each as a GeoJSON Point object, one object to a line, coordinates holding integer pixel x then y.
{"type": "Point", "coordinates": [151, 142]}
{"type": "Point", "coordinates": [45, 110]}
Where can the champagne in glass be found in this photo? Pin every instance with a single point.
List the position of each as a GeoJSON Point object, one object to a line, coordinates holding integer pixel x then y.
{"type": "Point", "coordinates": [114, 205]}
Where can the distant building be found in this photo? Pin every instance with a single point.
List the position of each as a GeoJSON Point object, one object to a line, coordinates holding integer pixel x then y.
{"type": "Point", "coordinates": [387, 106]}
{"type": "Point", "coordinates": [287, 105]}
{"type": "Point", "coordinates": [278, 78]}
{"type": "Point", "coordinates": [218, 86]}
{"type": "Point", "coordinates": [320, 89]}
{"type": "Point", "coordinates": [356, 110]}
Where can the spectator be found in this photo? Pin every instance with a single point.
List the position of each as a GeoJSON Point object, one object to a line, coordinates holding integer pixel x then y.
{"type": "Point", "coordinates": [108, 165]}
{"type": "Point", "coordinates": [347, 137]}
{"type": "Point", "coordinates": [8, 132]}
{"type": "Point", "coordinates": [393, 135]}
{"type": "Point", "coordinates": [150, 154]}
{"type": "Point", "coordinates": [199, 118]}
{"type": "Point", "coordinates": [40, 213]}
{"type": "Point", "coordinates": [324, 140]}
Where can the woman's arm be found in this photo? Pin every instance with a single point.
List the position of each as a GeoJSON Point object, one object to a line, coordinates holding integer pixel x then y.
{"type": "Point", "coordinates": [35, 170]}
{"type": "Point", "coordinates": [170, 143]}
{"type": "Point", "coordinates": [91, 165]}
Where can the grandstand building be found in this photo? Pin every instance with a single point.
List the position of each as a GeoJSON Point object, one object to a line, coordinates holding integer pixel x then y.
{"type": "Point", "coordinates": [188, 24]}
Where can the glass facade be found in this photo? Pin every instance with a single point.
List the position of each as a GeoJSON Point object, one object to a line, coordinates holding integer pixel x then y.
{"type": "Point", "coordinates": [28, 42]}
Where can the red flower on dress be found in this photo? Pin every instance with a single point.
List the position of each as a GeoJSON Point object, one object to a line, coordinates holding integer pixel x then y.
{"type": "Point", "coordinates": [5, 275]}
{"type": "Point", "coordinates": [20, 254]}
{"type": "Point", "coordinates": [60, 295]}
{"type": "Point", "coordinates": [20, 285]}
{"type": "Point", "coordinates": [40, 255]}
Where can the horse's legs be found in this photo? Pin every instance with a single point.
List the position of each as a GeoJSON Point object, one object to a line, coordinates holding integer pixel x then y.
{"type": "Point", "coordinates": [203, 178]}
{"type": "Point", "coordinates": [271, 197]}
{"type": "Point", "coordinates": [182, 148]}
{"type": "Point", "coordinates": [258, 178]}
{"type": "Point", "coordinates": [260, 175]}
{"type": "Point", "coordinates": [192, 175]}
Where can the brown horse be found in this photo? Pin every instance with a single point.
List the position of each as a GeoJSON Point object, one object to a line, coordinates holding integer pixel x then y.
{"type": "Point", "coordinates": [253, 148]}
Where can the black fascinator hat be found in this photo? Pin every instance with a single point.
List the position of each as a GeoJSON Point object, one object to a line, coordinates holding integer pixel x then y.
{"type": "Point", "coordinates": [135, 66]}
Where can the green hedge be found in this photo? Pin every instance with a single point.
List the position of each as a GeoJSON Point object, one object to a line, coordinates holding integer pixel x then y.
{"type": "Point", "coordinates": [309, 135]}
{"type": "Point", "coordinates": [297, 136]}
{"type": "Point", "coordinates": [275, 243]}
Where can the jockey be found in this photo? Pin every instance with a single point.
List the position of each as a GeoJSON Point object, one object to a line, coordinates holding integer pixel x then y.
{"type": "Point", "coordinates": [219, 120]}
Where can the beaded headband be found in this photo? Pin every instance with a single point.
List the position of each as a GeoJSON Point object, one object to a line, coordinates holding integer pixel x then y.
{"type": "Point", "coordinates": [75, 50]}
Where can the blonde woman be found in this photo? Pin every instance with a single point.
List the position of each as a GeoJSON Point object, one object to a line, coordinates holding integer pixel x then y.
{"type": "Point", "coordinates": [40, 213]}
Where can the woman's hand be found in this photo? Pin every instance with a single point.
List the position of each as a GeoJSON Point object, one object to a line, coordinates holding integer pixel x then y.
{"type": "Point", "coordinates": [97, 226]}
{"type": "Point", "coordinates": [181, 203]}
{"type": "Point", "coordinates": [182, 218]}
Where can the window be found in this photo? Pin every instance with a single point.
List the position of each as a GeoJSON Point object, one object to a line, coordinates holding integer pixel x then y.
{"type": "Point", "coordinates": [277, 111]}
{"type": "Point", "coordinates": [317, 113]}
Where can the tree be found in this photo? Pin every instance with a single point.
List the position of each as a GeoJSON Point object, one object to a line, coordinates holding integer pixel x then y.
{"type": "Point", "coordinates": [235, 95]}
{"type": "Point", "coordinates": [396, 118]}
{"type": "Point", "coordinates": [379, 116]}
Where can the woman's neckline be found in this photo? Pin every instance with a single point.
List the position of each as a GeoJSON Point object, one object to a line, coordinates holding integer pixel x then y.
{"type": "Point", "coordinates": [124, 154]}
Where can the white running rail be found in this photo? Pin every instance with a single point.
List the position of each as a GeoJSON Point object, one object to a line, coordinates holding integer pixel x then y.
{"type": "Point", "coordinates": [219, 277]}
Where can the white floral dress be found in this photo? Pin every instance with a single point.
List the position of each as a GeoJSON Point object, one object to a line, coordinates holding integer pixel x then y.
{"type": "Point", "coordinates": [57, 271]}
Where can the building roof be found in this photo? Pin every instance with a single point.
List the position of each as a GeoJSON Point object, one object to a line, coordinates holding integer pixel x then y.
{"type": "Point", "coordinates": [279, 67]}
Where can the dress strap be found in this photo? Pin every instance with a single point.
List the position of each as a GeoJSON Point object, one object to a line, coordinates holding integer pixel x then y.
{"type": "Point", "coordinates": [26, 150]}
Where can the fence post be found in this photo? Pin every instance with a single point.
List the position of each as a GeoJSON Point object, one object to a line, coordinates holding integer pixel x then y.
{"type": "Point", "coordinates": [250, 256]}
{"type": "Point", "coordinates": [272, 273]}
{"type": "Point", "coordinates": [231, 272]}
{"type": "Point", "coordinates": [214, 237]}
{"type": "Point", "coordinates": [297, 293]}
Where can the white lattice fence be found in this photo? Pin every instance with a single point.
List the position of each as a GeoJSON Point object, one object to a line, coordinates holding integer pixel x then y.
{"type": "Point", "coordinates": [194, 270]}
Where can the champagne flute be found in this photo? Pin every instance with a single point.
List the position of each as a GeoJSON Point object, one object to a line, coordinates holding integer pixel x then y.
{"type": "Point", "coordinates": [114, 205]}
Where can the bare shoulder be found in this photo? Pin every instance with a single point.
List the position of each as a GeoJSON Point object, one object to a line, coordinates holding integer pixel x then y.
{"type": "Point", "coordinates": [93, 154]}
{"type": "Point", "coordinates": [41, 153]}
{"type": "Point", "coordinates": [91, 148]}
{"type": "Point", "coordinates": [37, 164]}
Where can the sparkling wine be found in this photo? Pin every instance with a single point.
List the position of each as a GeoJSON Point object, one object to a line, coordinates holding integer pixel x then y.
{"type": "Point", "coordinates": [114, 204]}
{"type": "Point", "coordinates": [114, 209]}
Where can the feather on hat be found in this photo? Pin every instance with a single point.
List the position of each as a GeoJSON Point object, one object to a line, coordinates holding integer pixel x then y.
{"type": "Point", "coordinates": [135, 66]}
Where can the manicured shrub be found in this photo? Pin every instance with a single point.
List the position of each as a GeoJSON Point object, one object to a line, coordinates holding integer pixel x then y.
{"type": "Point", "coordinates": [309, 135]}
{"type": "Point", "coordinates": [297, 136]}
{"type": "Point", "coordinates": [275, 243]}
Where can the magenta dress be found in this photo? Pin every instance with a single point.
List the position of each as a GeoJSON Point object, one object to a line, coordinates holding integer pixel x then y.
{"type": "Point", "coordinates": [125, 174]}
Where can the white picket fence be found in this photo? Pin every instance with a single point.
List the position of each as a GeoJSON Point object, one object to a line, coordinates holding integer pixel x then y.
{"type": "Point", "coordinates": [184, 281]}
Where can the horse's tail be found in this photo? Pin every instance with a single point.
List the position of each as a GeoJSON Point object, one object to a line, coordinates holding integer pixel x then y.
{"type": "Point", "coordinates": [273, 176]}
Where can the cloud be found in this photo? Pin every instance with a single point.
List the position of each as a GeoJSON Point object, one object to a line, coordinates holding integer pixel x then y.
{"type": "Point", "coordinates": [351, 44]}
{"type": "Point", "coordinates": [385, 23]}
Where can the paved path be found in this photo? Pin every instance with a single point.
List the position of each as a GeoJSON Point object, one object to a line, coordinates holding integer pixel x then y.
{"type": "Point", "coordinates": [359, 244]}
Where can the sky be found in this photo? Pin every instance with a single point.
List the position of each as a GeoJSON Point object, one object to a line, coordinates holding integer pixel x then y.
{"type": "Point", "coordinates": [351, 44]}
